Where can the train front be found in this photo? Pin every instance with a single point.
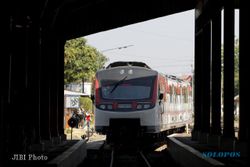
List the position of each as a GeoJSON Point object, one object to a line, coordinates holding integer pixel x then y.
{"type": "Point", "coordinates": [125, 101]}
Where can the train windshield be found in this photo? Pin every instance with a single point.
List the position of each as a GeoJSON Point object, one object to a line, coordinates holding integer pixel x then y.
{"type": "Point", "coordinates": [128, 89]}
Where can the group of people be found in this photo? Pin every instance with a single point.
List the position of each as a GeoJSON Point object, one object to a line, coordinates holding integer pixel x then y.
{"type": "Point", "coordinates": [82, 117]}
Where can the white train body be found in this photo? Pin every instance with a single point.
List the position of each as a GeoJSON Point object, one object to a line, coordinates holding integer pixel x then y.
{"type": "Point", "coordinates": [140, 97]}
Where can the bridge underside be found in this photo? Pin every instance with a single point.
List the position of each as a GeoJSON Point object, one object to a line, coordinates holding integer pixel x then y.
{"type": "Point", "coordinates": [32, 99]}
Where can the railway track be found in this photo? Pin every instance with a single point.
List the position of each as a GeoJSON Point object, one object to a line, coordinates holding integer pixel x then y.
{"type": "Point", "coordinates": [132, 159]}
{"type": "Point", "coordinates": [127, 156]}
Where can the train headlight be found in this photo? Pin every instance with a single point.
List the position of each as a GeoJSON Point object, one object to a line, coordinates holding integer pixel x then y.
{"type": "Point", "coordinates": [130, 71]}
{"type": "Point", "coordinates": [103, 106]}
{"type": "Point", "coordinates": [146, 106]}
{"type": "Point", "coordinates": [122, 71]}
{"type": "Point", "coordinates": [141, 106]}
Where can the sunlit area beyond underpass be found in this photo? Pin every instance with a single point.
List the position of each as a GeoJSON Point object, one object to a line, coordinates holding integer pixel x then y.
{"type": "Point", "coordinates": [125, 83]}
{"type": "Point", "coordinates": [155, 42]}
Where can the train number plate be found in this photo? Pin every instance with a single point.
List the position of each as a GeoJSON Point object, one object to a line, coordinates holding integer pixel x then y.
{"type": "Point", "coordinates": [124, 106]}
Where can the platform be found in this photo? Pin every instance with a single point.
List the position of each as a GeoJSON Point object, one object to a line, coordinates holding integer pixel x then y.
{"type": "Point", "coordinates": [188, 152]}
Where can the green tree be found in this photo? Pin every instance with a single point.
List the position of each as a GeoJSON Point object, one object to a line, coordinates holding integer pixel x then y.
{"type": "Point", "coordinates": [81, 61]}
{"type": "Point", "coordinates": [86, 103]}
{"type": "Point", "coordinates": [236, 68]}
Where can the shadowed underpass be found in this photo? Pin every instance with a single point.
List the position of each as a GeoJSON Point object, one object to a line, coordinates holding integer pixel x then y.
{"type": "Point", "coordinates": [32, 72]}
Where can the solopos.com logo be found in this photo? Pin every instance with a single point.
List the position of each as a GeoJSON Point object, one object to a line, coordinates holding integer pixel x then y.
{"type": "Point", "coordinates": [221, 154]}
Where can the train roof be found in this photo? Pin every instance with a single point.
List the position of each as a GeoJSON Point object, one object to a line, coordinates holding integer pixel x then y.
{"type": "Point", "coordinates": [141, 64]}
{"type": "Point", "coordinates": [128, 63]}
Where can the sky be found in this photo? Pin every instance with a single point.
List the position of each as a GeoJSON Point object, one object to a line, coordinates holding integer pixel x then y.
{"type": "Point", "coordinates": [166, 44]}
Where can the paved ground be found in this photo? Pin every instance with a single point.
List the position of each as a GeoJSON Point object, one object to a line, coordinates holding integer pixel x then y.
{"type": "Point", "coordinates": [78, 133]}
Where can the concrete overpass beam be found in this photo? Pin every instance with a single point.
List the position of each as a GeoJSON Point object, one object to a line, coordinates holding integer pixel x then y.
{"type": "Point", "coordinates": [228, 130]}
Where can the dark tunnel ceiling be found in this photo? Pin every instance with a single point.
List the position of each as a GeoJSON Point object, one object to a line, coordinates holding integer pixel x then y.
{"type": "Point", "coordinates": [82, 19]}
{"type": "Point", "coordinates": [75, 18]}
{"type": "Point", "coordinates": [99, 15]}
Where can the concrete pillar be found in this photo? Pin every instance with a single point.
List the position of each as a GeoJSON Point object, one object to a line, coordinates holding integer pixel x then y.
{"type": "Point", "coordinates": [197, 81]}
{"type": "Point", "coordinates": [53, 104]}
{"type": "Point", "coordinates": [244, 71]}
{"type": "Point", "coordinates": [60, 88]}
{"type": "Point", "coordinates": [20, 98]}
{"type": "Point", "coordinates": [228, 130]}
{"type": "Point", "coordinates": [2, 129]}
{"type": "Point", "coordinates": [205, 82]}
{"type": "Point", "coordinates": [53, 82]}
{"type": "Point", "coordinates": [4, 90]}
{"type": "Point", "coordinates": [45, 86]}
{"type": "Point", "coordinates": [57, 86]}
{"type": "Point", "coordinates": [216, 74]}
{"type": "Point", "coordinates": [32, 78]}
{"type": "Point", "coordinates": [17, 127]}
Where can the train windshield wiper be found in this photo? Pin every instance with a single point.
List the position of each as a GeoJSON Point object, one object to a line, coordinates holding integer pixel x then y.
{"type": "Point", "coordinates": [117, 84]}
